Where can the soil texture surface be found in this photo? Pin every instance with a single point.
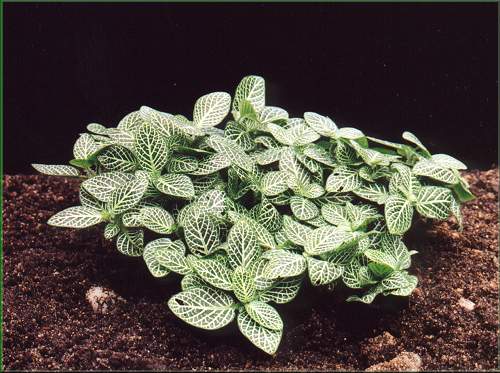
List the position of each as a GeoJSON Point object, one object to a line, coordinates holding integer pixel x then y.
{"type": "Point", "coordinates": [450, 321]}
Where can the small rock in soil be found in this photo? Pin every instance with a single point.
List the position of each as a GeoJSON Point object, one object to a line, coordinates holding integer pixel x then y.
{"type": "Point", "coordinates": [466, 304]}
{"type": "Point", "coordinates": [102, 300]}
{"type": "Point", "coordinates": [404, 362]}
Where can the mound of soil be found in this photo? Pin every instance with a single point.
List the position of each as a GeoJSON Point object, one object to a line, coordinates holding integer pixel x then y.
{"type": "Point", "coordinates": [49, 323]}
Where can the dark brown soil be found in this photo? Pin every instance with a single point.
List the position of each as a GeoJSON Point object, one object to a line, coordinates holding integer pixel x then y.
{"type": "Point", "coordinates": [48, 323]}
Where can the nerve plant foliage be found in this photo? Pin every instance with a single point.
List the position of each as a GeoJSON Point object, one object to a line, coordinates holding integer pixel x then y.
{"type": "Point", "coordinates": [248, 210]}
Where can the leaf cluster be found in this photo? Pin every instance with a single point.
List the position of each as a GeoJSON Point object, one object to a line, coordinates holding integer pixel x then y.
{"type": "Point", "coordinates": [247, 211]}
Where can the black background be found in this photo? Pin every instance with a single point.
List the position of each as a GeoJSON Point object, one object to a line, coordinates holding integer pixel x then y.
{"type": "Point", "coordinates": [383, 68]}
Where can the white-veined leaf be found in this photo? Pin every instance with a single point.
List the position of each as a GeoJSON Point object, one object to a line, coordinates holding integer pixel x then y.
{"type": "Point", "coordinates": [266, 339]}
{"type": "Point", "coordinates": [111, 231]}
{"type": "Point", "coordinates": [157, 219]}
{"type": "Point", "coordinates": [270, 114]}
{"type": "Point", "coordinates": [326, 239]}
{"type": "Point", "coordinates": [211, 109]}
{"type": "Point", "coordinates": [176, 185]}
{"type": "Point", "coordinates": [434, 170]}
{"type": "Point", "coordinates": [151, 149]}
{"type": "Point", "coordinates": [343, 179]}
{"type": "Point", "coordinates": [296, 232]}
{"type": "Point", "coordinates": [410, 137]}
{"type": "Point", "coordinates": [242, 246]}
{"type": "Point", "coordinates": [264, 314]}
{"type": "Point", "coordinates": [283, 291]}
{"type": "Point", "coordinates": [102, 186]}
{"type": "Point", "coordinates": [55, 169]}
{"type": "Point", "coordinates": [284, 264]}
{"type": "Point", "coordinates": [126, 196]}
{"type": "Point", "coordinates": [447, 161]}
{"type": "Point", "coordinates": [118, 158]}
{"type": "Point", "coordinates": [85, 147]}
{"type": "Point", "coordinates": [243, 285]}
{"type": "Point", "coordinates": [213, 272]}
{"type": "Point", "coordinates": [303, 209]}
{"type": "Point", "coordinates": [131, 242]}
{"type": "Point", "coordinates": [181, 164]}
{"type": "Point", "coordinates": [202, 234]}
{"type": "Point", "coordinates": [273, 183]}
{"type": "Point", "coordinates": [252, 89]}
{"type": "Point", "coordinates": [150, 256]}
{"type": "Point", "coordinates": [211, 164]}
{"type": "Point", "coordinates": [320, 124]}
{"type": "Point", "coordinates": [434, 202]}
{"type": "Point", "coordinates": [203, 307]}
{"type": "Point", "coordinates": [231, 151]}
{"type": "Point", "coordinates": [76, 217]}
{"type": "Point", "coordinates": [322, 272]}
{"type": "Point", "coordinates": [374, 192]}
{"type": "Point", "coordinates": [398, 214]}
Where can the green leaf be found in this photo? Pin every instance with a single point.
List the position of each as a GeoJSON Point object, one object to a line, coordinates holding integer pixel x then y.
{"type": "Point", "coordinates": [76, 217]}
{"type": "Point", "coordinates": [97, 128]}
{"type": "Point", "coordinates": [303, 209]}
{"type": "Point", "coordinates": [283, 291]}
{"type": "Point", "coordinates": [85, 147]}
{"type": "Point", "coordinates": [434, 202]}
{"type": "Point", "coordinates": [131, 122]}
{"type": "Point", "coordinates": [157, 219]}
{"type": "Point", "coordinates": [211, 109]}
{"type": "Point", "coordinates": [284, 264]}
{"type": "Point", "coordinates": [265, 315]}
{"type": "Point", "coordinates": [202, 234]}
{"type": "Point", "coordinates": [213, 272]}
{"type": "Point", "coordinates": [102, 186]}
{"type": "Point", "coordinates": [273, 183]}
{"type": "Point", "coordinates": [111, 231]}
{"type": "Point", "coordinates": [151, 149]}
{"type": "Point", "coordinates": [272, 114]}
{"type": "Point", "coordinates": [211, 164]}
{"type": "Point", "coordinates": [398, 214]}
{"type": "Point", "coordinates": [126, 196]}
{"type": "Point", "coordinates": [204, 308]}
{"type": "Point", "coordinates": [295, 232]}
{"type": "Point", "coordinates": [447, 161]}
{"type": "Point", "coordinates": [251, 89]}
{"type": "Point", "coordinates": [265, 339]}
{"type": "Point", "coordinates": [150, 256]}
{"type": "Point", "coordinates": [243, 285]}
{"type": "Point", "coordinates": [343, 179]}
{"type": "Point", "coordinates": [435, 171]}
{"type": "Point", "coordinates": [231, 151]}
{"type": "Point", "coordinates": [326, 239]}
{"type": "Point", "coordinates": [374, 192]}
{"type": "Point", "coordinates": [118, 158]}
{"type": "Point", "coordinates": [176, 185]}
{"type": "Point", "coordinates": [131, 242]}
{"type": "Point", "coordinates": [410, 137]}
{"type": "Point", "coordinates": [55, 169]}
{"type": "Point", "coordinates": [242, 246]}
{"type": "Point", "coordinates": [322, 272]}
{"type": "Point", "coordinates": [181, 164]}
{"type": "Point", "coordinates": [171, 255]}
{"type": "Point", "coordinates": [322, 125]}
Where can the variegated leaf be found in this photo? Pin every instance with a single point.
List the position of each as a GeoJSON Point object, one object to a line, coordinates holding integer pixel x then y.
{"type": "Point", "coordinates": [131, 242]}
{"type": "Point", "coordinates": [398, 214]}
{"type": "Point", "coordinates": [251, 89]}
{"type": "Point", "coordinates": [211, 109]}
{"type": "Point", "coordinates": [151, 149]}
{"type": "Point", "coordinates": [176, 185]}
{"type": "Point", "coordinates": [55, 169]}
{"type": "Point", "coordinates": [322, 272]}
{"type": "Point", "coordinates": [325, 239]}
{"type": "Point", "coordinates": [213, 272]}
{"type": "Point", "coordinates": [266, 339]}
{"type": "Point", "coordinates": [434, 202]}
{"type": "Point", "coordinates": [203, 307]}
{"type": "Point", "coordinates": [303, 209]}
{"type": "Point", "coordinates": [76, 217]}
{"type": "Point", "coordinates": [264, 314]}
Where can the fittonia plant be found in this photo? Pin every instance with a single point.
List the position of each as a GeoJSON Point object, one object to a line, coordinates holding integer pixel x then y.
{"type": "Point", "coordinates": [256, 206]}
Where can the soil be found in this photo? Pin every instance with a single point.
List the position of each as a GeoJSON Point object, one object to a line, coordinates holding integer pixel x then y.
{"type": "Point", "coordinates": [49, 324]}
